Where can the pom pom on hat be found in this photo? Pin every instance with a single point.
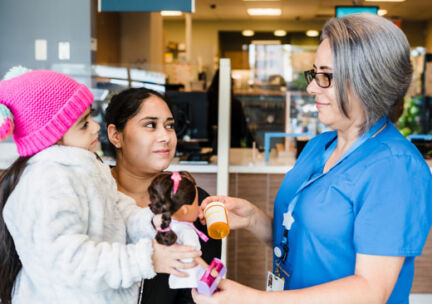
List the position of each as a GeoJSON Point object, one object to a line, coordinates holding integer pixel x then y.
{"type": "Point", "coordinates": [6, 122]}
{"type": "Point", "coordinates": [15, 71]}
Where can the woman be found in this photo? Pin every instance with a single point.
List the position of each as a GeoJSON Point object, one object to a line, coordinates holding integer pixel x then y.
{"type": "Point", "coordinates": [140, 127]}
{"type": "Point", "coordinates": [355, 210]}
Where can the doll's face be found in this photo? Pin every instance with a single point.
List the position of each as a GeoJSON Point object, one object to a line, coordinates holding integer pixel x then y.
{"type": "Point", "coordinates": [188, 213]}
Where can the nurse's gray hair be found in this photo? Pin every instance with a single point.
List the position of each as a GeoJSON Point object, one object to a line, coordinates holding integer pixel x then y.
{"type": "Point", "coordinates": [371, 60]}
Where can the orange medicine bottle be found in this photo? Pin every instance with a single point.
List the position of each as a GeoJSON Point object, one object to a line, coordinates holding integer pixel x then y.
{"type": "Point", "coordinates": [217, 220]}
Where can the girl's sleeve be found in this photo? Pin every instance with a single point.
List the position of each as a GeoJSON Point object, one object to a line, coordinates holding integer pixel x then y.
{"type": "Point", "coordinates": [392, 207]}
{"type": "Point", "coordinates": [63, 247]}
{"type": "Point", "coordinates": [137, 219]}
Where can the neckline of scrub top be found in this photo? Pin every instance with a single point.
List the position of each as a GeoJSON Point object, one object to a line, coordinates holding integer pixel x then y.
{"type": "Point", "coordinates": [374, 129]}
{"type": "Point", "coordinates": [329, 150]}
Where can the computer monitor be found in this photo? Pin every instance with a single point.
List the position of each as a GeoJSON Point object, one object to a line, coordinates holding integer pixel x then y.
{"type": "Point", "coordinates": [190, 110]}
{"type": "Point", "coordinates": [343, 10]}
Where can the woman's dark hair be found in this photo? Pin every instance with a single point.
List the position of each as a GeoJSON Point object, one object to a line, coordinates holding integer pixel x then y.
{"type": "Point", "coordinates": [124, 106]}
{"type": "Point", "coordinates": [10, 263]}
{"type": "Point", "coordinates": [165, 202]}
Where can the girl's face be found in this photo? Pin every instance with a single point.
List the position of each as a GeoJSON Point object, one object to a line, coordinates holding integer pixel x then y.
{"type": "Point", "coordinates": [148, 141]}
{"type": "Point", "coordinates": [325, 98]}
{"type": "Point", "coordinates": [83, 133]}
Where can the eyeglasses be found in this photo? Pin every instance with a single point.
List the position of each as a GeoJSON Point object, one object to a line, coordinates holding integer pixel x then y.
{"type": "Point", "coordinates": [323, 80]}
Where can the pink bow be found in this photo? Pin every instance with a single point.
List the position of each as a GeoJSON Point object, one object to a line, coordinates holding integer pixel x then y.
{"type": "Point", "coordinates": [176, 178]}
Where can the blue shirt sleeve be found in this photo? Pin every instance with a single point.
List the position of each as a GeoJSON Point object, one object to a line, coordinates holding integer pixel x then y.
{"type": "Point", "coordinates": [392, 207]}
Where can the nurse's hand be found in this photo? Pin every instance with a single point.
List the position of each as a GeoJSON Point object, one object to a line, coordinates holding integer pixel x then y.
{"type": "Point", "coordinates": [166, 259]}
{"type": "Point", "coordinates": [240, 211]}
{"type": "Point", "coordinates": [229, 292]}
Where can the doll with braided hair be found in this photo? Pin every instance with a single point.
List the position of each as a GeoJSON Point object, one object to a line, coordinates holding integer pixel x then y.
{"type": "Point", "coordinates": [174, 201]}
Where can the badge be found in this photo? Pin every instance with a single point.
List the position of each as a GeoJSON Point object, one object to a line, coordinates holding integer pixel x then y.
{"type": "Point", "coordinates": [274, 283]}
{"type": "Point", "coordinates": [288, 220]}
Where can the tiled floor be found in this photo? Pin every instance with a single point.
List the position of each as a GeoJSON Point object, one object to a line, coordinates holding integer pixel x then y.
{"type": "Point", "coordinates": [421, 299]}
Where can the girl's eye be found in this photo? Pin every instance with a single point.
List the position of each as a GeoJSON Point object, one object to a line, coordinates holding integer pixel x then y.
{"type": "Point", "coordinates": [170, 126]}
{"type": "Point", "coordinates": [85, 125]}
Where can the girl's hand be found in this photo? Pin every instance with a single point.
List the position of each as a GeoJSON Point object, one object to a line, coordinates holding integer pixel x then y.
{"type": "Point", "coordinates": [166, 259]}
{"type": "Point", "coordinates": [240, 211]}
{"type": "Point", "coordinates": [228, 292]}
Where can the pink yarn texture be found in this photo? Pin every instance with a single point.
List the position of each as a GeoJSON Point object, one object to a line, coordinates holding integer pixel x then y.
{"type": "Point", "coordinates": [44, 105]}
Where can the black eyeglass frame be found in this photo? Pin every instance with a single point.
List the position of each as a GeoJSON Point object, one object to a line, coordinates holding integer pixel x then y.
{"type": "Point", "coordinates": [311, 75]}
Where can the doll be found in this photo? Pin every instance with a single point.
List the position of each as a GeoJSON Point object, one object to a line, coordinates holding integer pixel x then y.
{"type": "Point", "coordinates": [174, 201]}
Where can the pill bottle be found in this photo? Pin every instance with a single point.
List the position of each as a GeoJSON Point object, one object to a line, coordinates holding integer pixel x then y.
{"type": "Point", "coordinates": [217, 220]}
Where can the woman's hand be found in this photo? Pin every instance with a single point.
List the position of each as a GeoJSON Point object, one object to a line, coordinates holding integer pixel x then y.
{"type": "Point", "coordinates": [229, 292]}
{"type": "Point", "coordinates": [166, 259]}
{"type": "Point", "coordinates": [240, 211]}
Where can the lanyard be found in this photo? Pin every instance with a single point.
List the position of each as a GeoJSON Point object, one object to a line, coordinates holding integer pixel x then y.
{"type": "Point", "coordinates": [281, 251]}
{"type": "Point", "coordinates": [326, 155]}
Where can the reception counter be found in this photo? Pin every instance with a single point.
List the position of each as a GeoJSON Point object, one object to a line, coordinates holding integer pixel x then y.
{"type": "Point", "coordinates": [241, 161]}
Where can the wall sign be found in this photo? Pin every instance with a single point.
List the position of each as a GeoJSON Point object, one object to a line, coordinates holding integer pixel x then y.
{"type": "Point", "coordinates": [146, 5]}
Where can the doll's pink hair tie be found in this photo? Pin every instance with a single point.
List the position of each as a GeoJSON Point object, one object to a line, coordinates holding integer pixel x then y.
{"type": "Point", "coordinates": [157, 222]}
{"type": "Point", "coordinates": [164, 230]}
{"type": "Point", "coordinates": [176, 178]}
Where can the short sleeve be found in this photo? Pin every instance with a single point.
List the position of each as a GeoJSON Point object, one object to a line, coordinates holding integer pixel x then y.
{"type": "Point", "coordinates": [188, 237]}
{"type": "Point", "coordinates": [392, 207]}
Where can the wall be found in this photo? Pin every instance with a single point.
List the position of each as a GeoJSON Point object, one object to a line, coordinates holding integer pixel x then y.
{"type": "Point", "coordinates": [141, 40]}
{"type": "Point", "coordinates": [130, 39]}
{"type": "Point", "coordinates": [108, 38]}
{"type": "Point", "coordinates": [416, 32]}
{"type": "Point", "coordinates": [21, 22]}
{"type": "Point", "coordinates": [205, 41]}
{"type": "Point", "coordinates": [429, 37]}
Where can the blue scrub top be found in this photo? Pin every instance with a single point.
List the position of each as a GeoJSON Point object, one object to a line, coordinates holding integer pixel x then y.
{"type": "Point", "coordinates": [377, 200]}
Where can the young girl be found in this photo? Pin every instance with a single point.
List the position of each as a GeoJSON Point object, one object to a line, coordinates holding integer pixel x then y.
{"type": "Point", "coordinates": [66, 234]}
{"type": "Point", "coordinates": [174, 201]}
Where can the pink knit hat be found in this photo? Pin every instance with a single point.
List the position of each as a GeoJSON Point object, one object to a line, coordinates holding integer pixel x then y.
{"type": "Point", "coordinates": [42, 105]}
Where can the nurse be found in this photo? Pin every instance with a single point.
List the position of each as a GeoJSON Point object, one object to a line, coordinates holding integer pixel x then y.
{"type": "Point", "coordinates": [354, 212]}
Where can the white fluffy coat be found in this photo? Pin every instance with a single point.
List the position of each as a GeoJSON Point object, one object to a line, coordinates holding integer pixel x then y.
{"type": "Point", "coordinates": [78, 238]}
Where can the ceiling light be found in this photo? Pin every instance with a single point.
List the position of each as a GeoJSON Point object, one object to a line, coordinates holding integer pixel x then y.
{"type": "Point", "coordinates": [382, 12]}
{"type": "Point", "coordinates": [280, 33]}
{"type": "Point", "coordinates": [312, 33]}
{"type": "Point", "coordinates": [171, 13]}
{"type": "Point", "coordinates": [264, 11]}
{"type": "Point", "coordinates": [248, 33]}
{"type": "Point", "coordinates": [385, 0]}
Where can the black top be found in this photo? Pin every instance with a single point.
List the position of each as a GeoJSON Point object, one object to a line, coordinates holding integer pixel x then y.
{"type": "Point", "coordinates": [157, 291]}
